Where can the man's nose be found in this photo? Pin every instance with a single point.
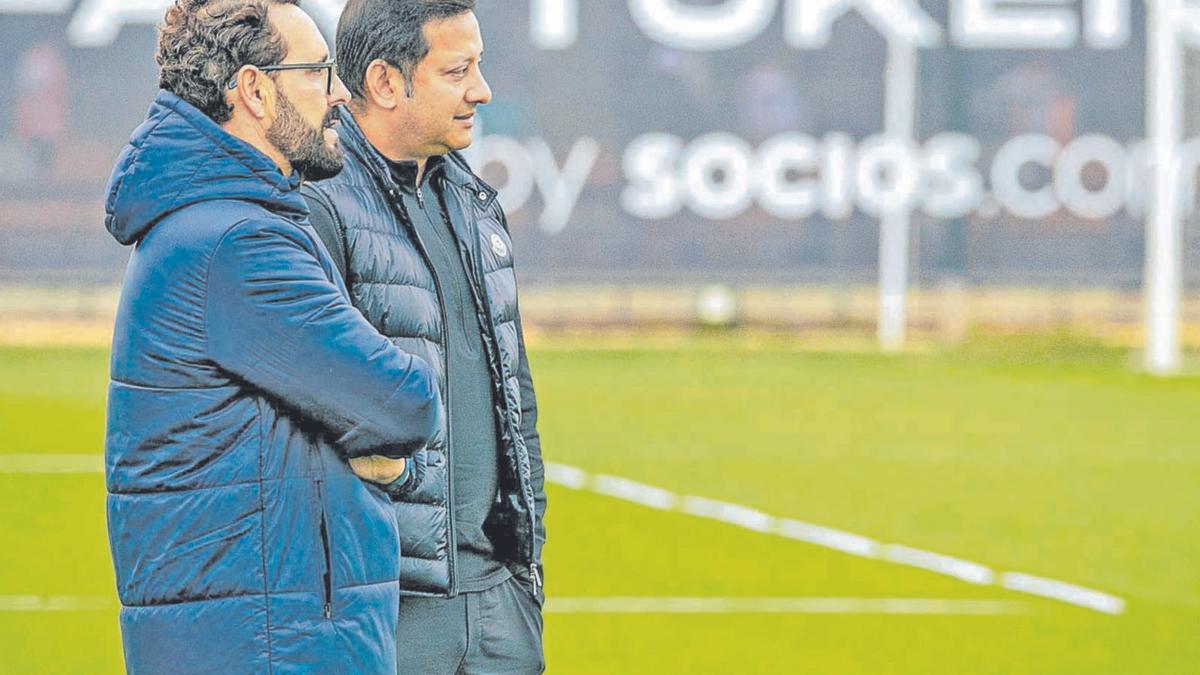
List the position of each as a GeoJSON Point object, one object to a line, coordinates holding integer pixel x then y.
{"type": "Point", "coordinates": [340, 94]}
{"type": "Point", "coordinates": [480, 93]}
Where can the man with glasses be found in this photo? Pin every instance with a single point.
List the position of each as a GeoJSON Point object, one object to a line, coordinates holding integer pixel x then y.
{"type": "Point", "coordinates": [254, 416]}
{"type": "Point", "coordinates": [428, 260]}
{"type": "Point", "coordinates": [327, 67]}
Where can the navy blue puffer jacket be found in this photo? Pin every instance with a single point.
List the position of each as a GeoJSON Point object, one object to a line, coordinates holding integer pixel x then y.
{"type": "Point", "coordinates": [392, 282]}
{"type": "Point", "coordinates": [242, 379]}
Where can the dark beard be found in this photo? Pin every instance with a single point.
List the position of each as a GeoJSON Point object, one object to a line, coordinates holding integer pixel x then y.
{"type": "Point", "coordinates": [302, 145]}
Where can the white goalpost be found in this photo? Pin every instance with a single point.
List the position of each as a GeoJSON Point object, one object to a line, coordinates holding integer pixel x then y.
{"type": "Point", "coordinates": [1163, 278]}
{"type": "Point", "coordinates": [900, 105]}
{"type": "Point", "coordinates": [1163, 273]}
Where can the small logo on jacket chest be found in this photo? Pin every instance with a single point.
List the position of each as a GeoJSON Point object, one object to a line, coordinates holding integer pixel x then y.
{"type": "Point", "coordinates": [499, 247]}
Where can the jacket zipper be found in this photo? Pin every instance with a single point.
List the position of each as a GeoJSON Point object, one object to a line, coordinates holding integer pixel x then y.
{"type": "Point", "coordinates": [417, 189]}
{"type": "Point", "coordinates": [526, 479]}
{"type": "Point", "coordinates": [327, 577]}
{"type": "Point", "coordinates": [451, 548]}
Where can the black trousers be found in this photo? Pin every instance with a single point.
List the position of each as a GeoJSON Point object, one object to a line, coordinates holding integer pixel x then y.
{"type": "Point", "coordinates": [497, 632]}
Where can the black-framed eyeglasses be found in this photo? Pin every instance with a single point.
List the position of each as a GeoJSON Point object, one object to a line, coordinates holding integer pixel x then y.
{"type": "Point", "coordinates": [330, 68]}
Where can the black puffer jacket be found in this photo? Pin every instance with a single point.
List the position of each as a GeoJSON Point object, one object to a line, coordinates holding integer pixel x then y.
{"type": "Point", "coordinates": [392, 284]}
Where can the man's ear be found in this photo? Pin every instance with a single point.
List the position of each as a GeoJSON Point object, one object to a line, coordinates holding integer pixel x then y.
{"type": "Point", "coordinates": [380, 83]}
{"type": "Point", "coordinates": [253, 93]}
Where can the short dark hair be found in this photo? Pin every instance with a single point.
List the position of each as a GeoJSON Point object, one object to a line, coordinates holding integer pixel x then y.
{"type": "Point", "coordinates": [203, 43]}
{"type": "Point", "coordinates": [390, 30]}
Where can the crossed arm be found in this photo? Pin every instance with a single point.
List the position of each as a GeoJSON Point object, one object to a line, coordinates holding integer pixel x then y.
{"type": "Point", "coordinates": [276, 320]}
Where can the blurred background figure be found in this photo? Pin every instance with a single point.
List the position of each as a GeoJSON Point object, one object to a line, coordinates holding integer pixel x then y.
{"type": "Point", "coordinates": [39, 100]}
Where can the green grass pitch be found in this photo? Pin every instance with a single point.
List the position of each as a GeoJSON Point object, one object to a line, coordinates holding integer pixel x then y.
{"type": "Point", "coordinates": [1040, 456]}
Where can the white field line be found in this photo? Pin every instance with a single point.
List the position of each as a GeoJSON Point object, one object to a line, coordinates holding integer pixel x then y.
{"type": "Point", "coordinates": [623, 488]}
{"type": "Point", "coordinates": [55, 603]}
{"type": "Point", "coordinates": [93, 463]}
{"type": "Point", "coordinates": [942, 564]}
{"type": "Point", "coordinates": [742, 516]}
{"type": "Point", "coordinates": [818, 535]}
{"type": "Point", "coordinates": [829, 538]}
{"type": "Point", "coordinates": [665, 500]}
{"type": "Point", "coordinates": [1057, 590]}
{"type": "Point", "coordinates": [641, 605]}
{"type": "Point", "coordinates": [653, 605]}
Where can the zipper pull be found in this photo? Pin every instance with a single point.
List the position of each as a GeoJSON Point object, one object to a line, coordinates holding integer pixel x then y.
{"type": "Point", "coordinates": [329, 610]}
{"type": "Point", "coordinates": [420, 199]}
{"type": "Point", "coordinates": [536, 576]}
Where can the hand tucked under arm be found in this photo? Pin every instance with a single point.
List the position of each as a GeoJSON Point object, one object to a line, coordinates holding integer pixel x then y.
{"type": "Point", "coordinates": [377, 468]}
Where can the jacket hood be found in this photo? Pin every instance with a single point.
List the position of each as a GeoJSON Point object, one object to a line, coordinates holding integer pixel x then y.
{"type": "Point", "coordinates": [179, 157]}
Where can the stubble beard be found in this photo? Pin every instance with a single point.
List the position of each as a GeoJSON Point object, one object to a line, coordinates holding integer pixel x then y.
{"type": "Point", "coordinates": [303, 145]}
